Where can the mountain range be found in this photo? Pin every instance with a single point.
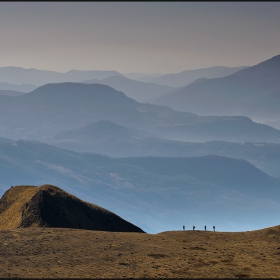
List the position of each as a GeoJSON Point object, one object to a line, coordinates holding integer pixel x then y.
{"type": "Point", "coordinates": [142, 77]}
{"type": "Point", "coordinates": [19, 76]}
{"type": "Point", "coordinates": [108, 138]}
{"type": "Point", "coordinates": [159, 176]}
{"type": "Point", "coordinates": [253, 92]}
{"type": "Point", "coordinates": [188, 76]}
{"type": "Point", "coordinates": [155, 193]}
{"type": "Point", "coordinates": [54, 108]}
{"type": "Point", "coordinates": [25, 80]}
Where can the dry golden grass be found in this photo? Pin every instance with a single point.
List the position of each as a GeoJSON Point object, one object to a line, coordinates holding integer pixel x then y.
{"type": "Point", "coordinates": [16, 201]}
{"type": "Point", "coordinates": [73, 253]}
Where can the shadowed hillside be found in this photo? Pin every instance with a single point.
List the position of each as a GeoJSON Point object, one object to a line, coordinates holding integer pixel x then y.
{"type": "Point", "coordinates": [49, 206]}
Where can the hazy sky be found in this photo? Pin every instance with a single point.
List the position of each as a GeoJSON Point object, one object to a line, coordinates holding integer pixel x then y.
{"type": "Point", "coordinates": [145, 37]}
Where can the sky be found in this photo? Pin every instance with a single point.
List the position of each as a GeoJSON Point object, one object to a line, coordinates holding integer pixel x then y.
{"type": "Point", "coordinates": [131, 37]}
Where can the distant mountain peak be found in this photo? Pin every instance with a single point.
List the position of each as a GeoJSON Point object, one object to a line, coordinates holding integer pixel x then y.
{"type": "Point", "coordinates": [74, 86]}
{"type": "Point", "coordinates": [275, 57]}
{"type": "Point", "coordinates": [265, 68]}
{"type": "Point", "coordinates": [274, 61]}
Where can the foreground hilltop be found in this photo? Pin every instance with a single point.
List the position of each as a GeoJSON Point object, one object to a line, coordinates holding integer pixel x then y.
{"type": "Point", "coordinates": [72, 253]}
{"type": "Point", "coordinates": [50, 206]}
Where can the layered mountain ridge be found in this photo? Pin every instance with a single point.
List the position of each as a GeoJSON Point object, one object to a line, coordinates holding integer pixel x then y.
{"type": "Point", "coordinates": [49, 109]}
{"type": "Point", "coordinates": [253, 91]}
{"type": "Point", "coordinates": [155, 193]}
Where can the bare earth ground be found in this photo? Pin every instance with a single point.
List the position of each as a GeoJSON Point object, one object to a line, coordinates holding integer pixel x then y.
{"type": "Point", "coordinates": [76, 253]}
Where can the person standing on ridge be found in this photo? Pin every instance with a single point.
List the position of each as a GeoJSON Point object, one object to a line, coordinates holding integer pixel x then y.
{"type": "Point", "coordinates": [193, 228]}
{"type": "Point", "coordinates": [183, 227]}
{"type": "Point", "coordinates": [214, 228]}
{"type": "Point", "coordinates": [205, 228]}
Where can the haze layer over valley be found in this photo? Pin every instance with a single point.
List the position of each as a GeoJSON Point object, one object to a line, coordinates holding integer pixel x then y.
{"type": "Point", "coordinates": [154, 193]}
{"type": "Point", "coordinates": [148, 163]}
{"type": "Point", "coordinates": [49, 109]}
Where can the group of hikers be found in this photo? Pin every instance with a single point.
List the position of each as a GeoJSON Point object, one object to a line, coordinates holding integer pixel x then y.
{"type": "Point", "coordinates": [204, 228]}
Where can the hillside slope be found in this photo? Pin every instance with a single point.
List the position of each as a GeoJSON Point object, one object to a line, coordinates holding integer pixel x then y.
{"type": "Point", "coordinates": [50, 206]}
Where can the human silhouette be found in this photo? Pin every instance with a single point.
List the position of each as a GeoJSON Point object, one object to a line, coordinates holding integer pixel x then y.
{"type": "Point", "coordinates": [214, 228]}
{"type": "Point", "coordinates": [205, 228]}
{"type": "Point", "coordinates": [183, 227]}
{"type": "Point", "coordinates": [193, 228]}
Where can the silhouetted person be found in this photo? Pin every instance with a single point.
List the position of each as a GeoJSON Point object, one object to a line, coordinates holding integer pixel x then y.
{"type": "Point", "coordinates": [205, 228]}
{"type": "Point", "coordinates": [193, 228]}
{"type": "Point", "coordinates": [183, 227]}
{"type": "Point", "coordinates": [214, 228]}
